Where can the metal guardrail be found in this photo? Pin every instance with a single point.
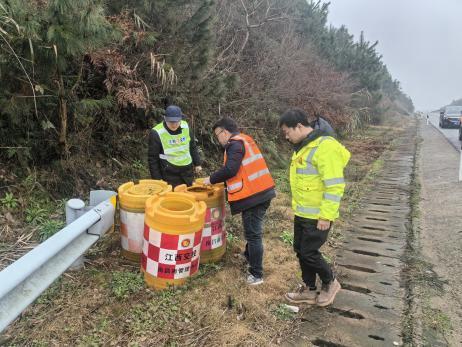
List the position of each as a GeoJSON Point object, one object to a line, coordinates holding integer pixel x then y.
{"type": "Point", "coordinates": [25, 279]}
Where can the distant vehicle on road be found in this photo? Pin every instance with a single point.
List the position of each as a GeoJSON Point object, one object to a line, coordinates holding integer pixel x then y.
{"type": "Point", "coordinates": [450, 117]}
{"type": "Point", "coordinates": [460, 127]}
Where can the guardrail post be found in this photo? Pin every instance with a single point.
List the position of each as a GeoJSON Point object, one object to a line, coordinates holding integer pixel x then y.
{"type": "Point", "coordinates": [74, 209]}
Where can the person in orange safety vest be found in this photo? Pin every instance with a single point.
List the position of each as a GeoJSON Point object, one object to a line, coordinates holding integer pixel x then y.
{"type": "Point", "coordinates": [249, 186]}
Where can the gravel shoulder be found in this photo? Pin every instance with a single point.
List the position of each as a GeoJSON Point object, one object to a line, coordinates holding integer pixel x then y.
{"type": "Point", "coordinates": [440, 234]}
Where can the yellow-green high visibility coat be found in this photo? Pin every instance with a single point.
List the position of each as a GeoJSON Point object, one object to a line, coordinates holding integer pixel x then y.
{"type": "Point", "coordinates": [176, 147]}
{"type": "Point", "coordinates": [316, 178]}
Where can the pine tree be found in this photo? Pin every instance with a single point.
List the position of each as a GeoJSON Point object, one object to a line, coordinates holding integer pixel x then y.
{"type": "Point", "coordinates": [52, 41]}
{"type": "Point", "coordinates": [75, 27]}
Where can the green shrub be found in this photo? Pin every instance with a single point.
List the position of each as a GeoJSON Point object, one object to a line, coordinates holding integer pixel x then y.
{"type": "Point", "coordinates": [49, 228]}
{"type": "Point", "coordinates": [9, 201]}
{"type": "Point", "coordinates": [35, 214]}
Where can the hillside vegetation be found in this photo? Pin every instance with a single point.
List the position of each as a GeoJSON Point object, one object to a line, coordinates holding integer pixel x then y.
{"type": "Point", "coordinates": [457, 102]}
{"type": "Point", "coordinates": [83, 80]}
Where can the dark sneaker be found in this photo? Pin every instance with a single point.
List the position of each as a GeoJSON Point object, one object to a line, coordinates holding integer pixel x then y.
{"type": "Point", "coordinates": [254, 281]}
{"type": "Point", "coordinates": [328, 293]}
{"type": "Point", "coordinates": [303, 295]}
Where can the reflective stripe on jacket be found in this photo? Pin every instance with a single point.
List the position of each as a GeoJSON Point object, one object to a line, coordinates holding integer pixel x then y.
{"type": "Point", "coordinates": [316, 178]}
{"type": "Point", "coordinates": [253, 176]}
{"type": "Point", "coordinates": [176, 147]}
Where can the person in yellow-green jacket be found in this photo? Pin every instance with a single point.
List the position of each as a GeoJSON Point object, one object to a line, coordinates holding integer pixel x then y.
{"type": "Point", "coordinates": [317, 185]}
{"type": "Point", "coordinates": [172, 150]}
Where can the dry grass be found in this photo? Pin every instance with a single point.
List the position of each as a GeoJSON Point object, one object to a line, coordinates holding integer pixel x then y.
{"type": "Point", "coordinates": [10, 252]}
{"type": "Point", "coordinates": [15, 239]}
{"type": "Point", "coordinates": [81, 308]}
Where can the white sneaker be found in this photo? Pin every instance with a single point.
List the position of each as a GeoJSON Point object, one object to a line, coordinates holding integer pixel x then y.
{"type": "Point", "coordinates": [254, 281]}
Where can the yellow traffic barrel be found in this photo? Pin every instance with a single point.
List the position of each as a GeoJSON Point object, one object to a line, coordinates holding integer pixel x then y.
{"type": "Point", "coordinates": [172, 239]}
{"type": "Point", "coordinates": [132, 201]}
{"type": "Point", "coordinates": [213, 234]}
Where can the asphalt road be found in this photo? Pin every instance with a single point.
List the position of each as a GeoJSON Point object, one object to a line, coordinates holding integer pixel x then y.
{"type": "Point", "coordinates": [452, 135]}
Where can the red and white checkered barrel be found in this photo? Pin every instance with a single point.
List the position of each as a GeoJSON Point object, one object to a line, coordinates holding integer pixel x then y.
{"type": "Point", "coordinates": [132, 201]}
{"type": "Point", "coordinates": [172, 239]}
{"type": "Point", "coordinates": [131, 222]}
{"type": "Point", "coordinates": [213, 234]}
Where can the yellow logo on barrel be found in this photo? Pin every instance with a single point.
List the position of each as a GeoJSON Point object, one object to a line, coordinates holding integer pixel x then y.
{"type": "Point", "coordinates": [216, 213]}
{"type": "Point", "coordinates": [185, 242]}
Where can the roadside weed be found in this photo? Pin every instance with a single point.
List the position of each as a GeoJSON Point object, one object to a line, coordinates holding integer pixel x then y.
{"type": "Point", "coordinates": [49, 228]}
{"type": "Point", "coordinates": [231, 238]}
{"type": "Point", "coordinates": [282, 312]}
{"type": "Point", "coordinates": [125, 283]}
{"type": "Point", "coordinates": [36, 214]}
{"type": "Point", "coordinates": [287, 237]}
{"type": "Point", "coordinates": [9, 201]}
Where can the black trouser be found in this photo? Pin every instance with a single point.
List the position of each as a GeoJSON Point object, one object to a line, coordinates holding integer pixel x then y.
{"type": "Point", "coordinates": [252, 220]}
{"type": "Point", "coordinates": [176, 179]}
{"type": "Point", "coordinates": [307, 241]}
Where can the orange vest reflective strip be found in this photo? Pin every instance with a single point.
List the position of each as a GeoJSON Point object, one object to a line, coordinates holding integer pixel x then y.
{"type": "Point", "coordinates": [253, 176]}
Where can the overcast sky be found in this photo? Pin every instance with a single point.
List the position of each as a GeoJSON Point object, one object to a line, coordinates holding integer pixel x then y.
{"type": "Point", "coordinates": [420, 40]}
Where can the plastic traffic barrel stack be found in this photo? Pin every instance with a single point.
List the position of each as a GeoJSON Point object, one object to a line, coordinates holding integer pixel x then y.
{"type": "Point", "coordinates": [132, 201]}
{"type": "Point", "coordinates": [213, 234]}
{"type": "Point", "coordinates": [172, 239]}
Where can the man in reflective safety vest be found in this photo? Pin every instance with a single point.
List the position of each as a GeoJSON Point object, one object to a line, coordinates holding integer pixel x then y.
{"type": "Point", "coordinates": [250, 189]}
{"type": "Point", "coordinates": [317, 185]}
{"type": "Point", "coordinates": [172, 150]}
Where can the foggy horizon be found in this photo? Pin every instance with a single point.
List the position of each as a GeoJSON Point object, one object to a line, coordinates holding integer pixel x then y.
{"type": "Point", "coordinates": [419, 40]}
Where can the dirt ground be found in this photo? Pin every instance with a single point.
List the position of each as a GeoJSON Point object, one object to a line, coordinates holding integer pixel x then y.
{"type": "Point", "coordinates": [107, 303]}
{"type": "Point", "coordinates": [440, 238]}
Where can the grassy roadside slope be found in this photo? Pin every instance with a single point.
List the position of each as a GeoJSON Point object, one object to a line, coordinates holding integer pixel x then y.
{"type": "Point", "coordinates": [107, 303]}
